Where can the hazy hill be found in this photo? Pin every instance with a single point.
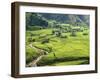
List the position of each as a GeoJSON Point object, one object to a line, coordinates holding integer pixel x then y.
{"type": "Point", "coordinates": [45, 19]}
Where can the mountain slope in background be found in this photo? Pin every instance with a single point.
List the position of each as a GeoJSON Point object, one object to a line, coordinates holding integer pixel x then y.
{"type": "Point", "coordinates": [44, 19]}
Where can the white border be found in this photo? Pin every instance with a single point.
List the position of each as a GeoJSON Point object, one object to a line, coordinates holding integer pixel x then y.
{"type": "Point", "coordinates": [36, 70]}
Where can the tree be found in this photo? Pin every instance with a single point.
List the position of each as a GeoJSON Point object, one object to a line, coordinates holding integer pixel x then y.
{"type": "Point", "coordinates": [54, 55]}
{"type": "Point", "coordinates": [73, 33]}
{"type": "Point", "coordinates": [34, 19]}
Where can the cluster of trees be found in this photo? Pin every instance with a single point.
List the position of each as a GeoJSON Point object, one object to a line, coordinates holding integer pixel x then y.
{"type": "Point", "coordinates": [33, 19]}
{"type": "Point", "coordinates": [36, 21]}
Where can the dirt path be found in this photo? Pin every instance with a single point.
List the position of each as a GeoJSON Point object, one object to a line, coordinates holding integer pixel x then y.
{"type": "Point", "coordinates": [34, 62]}
{"type": "Point", "coordinates": [41, 53]}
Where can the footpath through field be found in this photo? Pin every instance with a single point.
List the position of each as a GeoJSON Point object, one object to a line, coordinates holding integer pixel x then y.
{"type": "Point", "coordinates": [41, 53]}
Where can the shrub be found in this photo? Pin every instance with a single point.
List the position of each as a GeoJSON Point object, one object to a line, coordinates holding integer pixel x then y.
{"type": "Point", "coordinates": [73, 33]}
{"type": "Point", "coordinates": [53, 32]}
{"type": "Point", "coordinates": [49, 49]}
{"type": "Point", "coordinates": [33, 40]}
{"type": "Point", "coordinates": [56, 32]}
{"type": "Point", "coordinates": [45, 41]}
{"type": "Point", "coordinates": [85, 33]}
{"type": "Point", "coordinates": [29, 39]}
{"type": "Point", "coordinates": [63, 36]}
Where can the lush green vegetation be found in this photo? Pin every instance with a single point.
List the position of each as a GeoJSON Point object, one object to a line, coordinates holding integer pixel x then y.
{"type": "Point", "coordinates": [61, 43]}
